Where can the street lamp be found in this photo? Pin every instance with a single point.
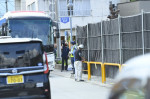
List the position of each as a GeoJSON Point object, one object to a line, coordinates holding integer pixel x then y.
{"type": "Point", "coordinates": [70, 5]}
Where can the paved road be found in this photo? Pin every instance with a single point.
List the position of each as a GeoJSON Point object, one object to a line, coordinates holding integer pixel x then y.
{"type": "Point", "coordinates": [66, 88]}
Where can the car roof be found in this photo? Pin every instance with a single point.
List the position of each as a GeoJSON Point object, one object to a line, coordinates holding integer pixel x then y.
{"type": "Point", "coordinates": [8, 39]}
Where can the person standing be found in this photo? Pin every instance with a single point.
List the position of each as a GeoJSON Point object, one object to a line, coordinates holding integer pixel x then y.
{"type": "Point", "coordinates": [65, 51]}
{"type": "Point", "coordinates": [78, 63]}
{"type": "Point", "coordinates": [72, 54]}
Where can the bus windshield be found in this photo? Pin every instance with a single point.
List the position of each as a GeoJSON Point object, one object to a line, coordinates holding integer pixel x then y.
{"type": "Point", "coordinates": [20, 54]}
{"type": "Point", "coordinates": [31, 28]}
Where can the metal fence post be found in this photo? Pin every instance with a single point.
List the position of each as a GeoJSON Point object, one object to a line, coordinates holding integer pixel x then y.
{"type": "Point", "coordinates": [120, 44]}
{"type": "Point", "coordinates": [102, 41]}
{"type": "Point", "coordinates": [143, 31]}
{"type": "Point", "coordinates": [88, 42]}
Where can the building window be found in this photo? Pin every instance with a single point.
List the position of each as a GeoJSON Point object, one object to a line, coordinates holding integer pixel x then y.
{"type": "Point", "coordinates": [33, 6]}
{"type": "Point", "coordinates": [28, 8]}
{"type": "Point", "coordinates": [69, 8]}
{"type": "Point", "coordinates": [80, 8]}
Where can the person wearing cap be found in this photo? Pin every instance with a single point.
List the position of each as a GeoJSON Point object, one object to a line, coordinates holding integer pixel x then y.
{"type": "Point", "coordinates": [64, 55]}
{"type": "Point", "coordinates": [72, 54]}
{"type": "Point", "coordinates": [78, 63]}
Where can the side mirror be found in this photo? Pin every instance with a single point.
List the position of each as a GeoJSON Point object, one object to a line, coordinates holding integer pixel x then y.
{"type": "Point", "coordinates": [57, 33]}
{"type": "Point", "coordinates": [48, 48]}
{"type": "Point", "coordinates": [9, 30]}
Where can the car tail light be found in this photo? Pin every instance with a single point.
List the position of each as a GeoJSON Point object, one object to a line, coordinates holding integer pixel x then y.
{"type": "Point", "coordinates": [46, 62]}
{"type": "Point", "coordinates": [46, 90]}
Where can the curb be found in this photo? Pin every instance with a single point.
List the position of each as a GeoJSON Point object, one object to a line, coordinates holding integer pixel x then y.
{"type": "Point", "coordinates": [68, 75]}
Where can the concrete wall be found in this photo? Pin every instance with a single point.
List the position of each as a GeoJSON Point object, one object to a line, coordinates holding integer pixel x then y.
{"type": "Point", "coordinates": [100, 8]}
{"type": "Point", "coordinates": [123, 1]}
{"type": "Point", "coordinates": [127, 9]}
{"type": "Point", "coordinates": [133, 8]}
{"type": "Point", "coordinates": [145, 5]}
{"type": "Point", "coordinates": [78, 21]}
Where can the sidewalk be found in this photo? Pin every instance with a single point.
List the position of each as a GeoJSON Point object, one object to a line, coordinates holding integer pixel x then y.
{"type": "Point", "coordinates": [94, 79]}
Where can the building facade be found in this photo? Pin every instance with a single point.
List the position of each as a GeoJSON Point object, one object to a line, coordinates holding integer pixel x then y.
{"type": "Point", "coordinates": [38, 5]}
{"type": "Point", "coordinates": [82, 11]}
{"type": "Point", "coordinates": [133, 8]}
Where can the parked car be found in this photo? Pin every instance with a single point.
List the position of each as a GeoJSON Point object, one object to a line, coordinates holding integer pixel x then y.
{"type": "Point", "coordinates": [23, 73]}
{"type": "Point", "coordinates": [133, 82]}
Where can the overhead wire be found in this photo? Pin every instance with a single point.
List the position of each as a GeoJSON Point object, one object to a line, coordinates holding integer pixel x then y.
{"type": "Point", "coordinates": [2, 9]}
{"type": "Point", "coordinates": [11, 6]}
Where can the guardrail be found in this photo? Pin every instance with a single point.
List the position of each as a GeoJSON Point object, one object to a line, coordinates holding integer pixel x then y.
{"type": "Point", "coordinates": [103, 73]}
{"type": "Point", "coordinates": [89, 69]}
{"type": "Point", "coordinates": [110, 64]}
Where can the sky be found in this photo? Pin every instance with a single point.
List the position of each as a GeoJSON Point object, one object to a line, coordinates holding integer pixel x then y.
{"type": "Point", "coordinates": [11, 6]}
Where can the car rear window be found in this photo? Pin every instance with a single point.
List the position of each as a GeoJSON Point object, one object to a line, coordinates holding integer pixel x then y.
{"type": "Point", "coordinates": [20, 54]}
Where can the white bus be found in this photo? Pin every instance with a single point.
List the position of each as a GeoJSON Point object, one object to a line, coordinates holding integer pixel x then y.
{"type": "Point", "coordinates": [30, 24]}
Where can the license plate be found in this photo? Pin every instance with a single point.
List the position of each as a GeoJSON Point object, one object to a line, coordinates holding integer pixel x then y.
{"type": "Point", "coordinates": [15, 79]}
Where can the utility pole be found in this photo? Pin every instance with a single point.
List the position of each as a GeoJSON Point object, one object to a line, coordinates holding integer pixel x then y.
{"type": "Point", "coordinates": [58, 37]}
{"type": "Point", "coordinates": [70, 5]}
{"type": "Point", "coordinates": [52, 2]}
{"type": "Point", "coordinates": [6, 6]}
{"type": "Point", "coordinates": [56, 28]}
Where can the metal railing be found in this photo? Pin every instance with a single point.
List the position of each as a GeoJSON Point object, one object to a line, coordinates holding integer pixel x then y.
{"type": "Point", "coordinates": [103, 72]}
{"type": "Point", "coordinates": [109, 64]}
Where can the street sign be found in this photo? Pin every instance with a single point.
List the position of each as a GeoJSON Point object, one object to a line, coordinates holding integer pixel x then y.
{"type": "Point", "coordinates": [64, 19]}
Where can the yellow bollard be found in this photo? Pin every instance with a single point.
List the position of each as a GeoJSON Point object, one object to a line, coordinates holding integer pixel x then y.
{"type": "Point", "coordinates": [89, 71]}
{"type": "Point", "coordinates": [103, 73]}
{"type": "Point", "coordinates": [119, 67]}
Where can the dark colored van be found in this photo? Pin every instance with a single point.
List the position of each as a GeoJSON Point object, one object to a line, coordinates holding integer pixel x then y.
{"type": "Point", "coordinates": [23, 73]}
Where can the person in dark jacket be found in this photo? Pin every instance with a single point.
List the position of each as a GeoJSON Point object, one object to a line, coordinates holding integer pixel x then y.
{"type": "Point", "coordinates": [64, 55]}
